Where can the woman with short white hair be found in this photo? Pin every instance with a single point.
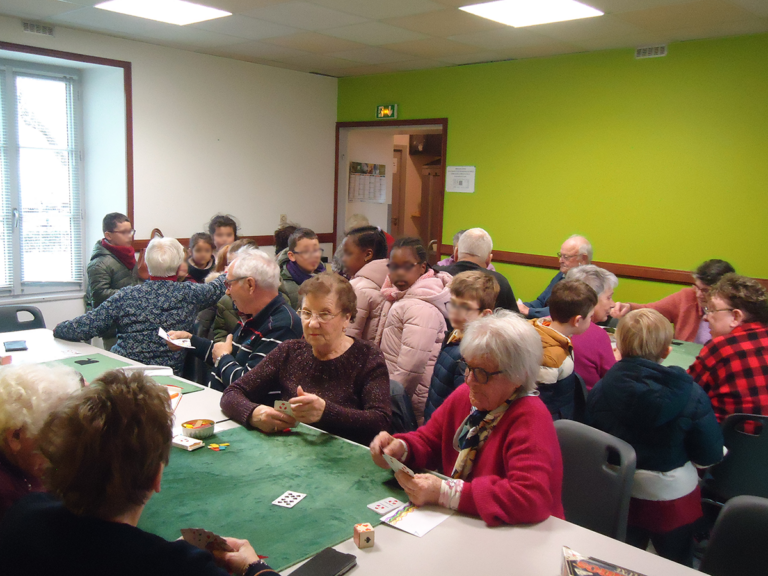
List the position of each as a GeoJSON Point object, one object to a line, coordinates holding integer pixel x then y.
{"type": "Point", "coordinates": [139, 311]}
{"type": "Point", "coordinates": [593, 353]}
{"type": "Point", "coordinates": [493, 436]}
{"type": "Point", "coordinates": [28, 394]}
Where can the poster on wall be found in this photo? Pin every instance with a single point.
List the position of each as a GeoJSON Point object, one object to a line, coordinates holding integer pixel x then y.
{"type": "Point", "coordinates": [367, 183]}
{"type": "Point", "coordinates": [460, 179]}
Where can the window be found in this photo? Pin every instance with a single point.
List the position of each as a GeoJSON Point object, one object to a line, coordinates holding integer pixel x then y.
{"type": "Point", "coordinates": [41, 221]}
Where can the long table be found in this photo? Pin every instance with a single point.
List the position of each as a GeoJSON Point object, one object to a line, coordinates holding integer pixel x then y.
{"type": "Point", "coordinates": [460, 545]}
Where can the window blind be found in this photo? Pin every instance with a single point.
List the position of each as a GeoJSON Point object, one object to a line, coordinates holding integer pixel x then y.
{"type": "Point", "coordinates": [6, 215]}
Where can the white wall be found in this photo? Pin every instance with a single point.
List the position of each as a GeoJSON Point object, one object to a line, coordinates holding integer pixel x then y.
{"type": "Point", "coordinates": [374, 147]}
{"type": "Point", "coordinates": [218, 135]}
{"type": "Point", "coordinates": [104, 166]}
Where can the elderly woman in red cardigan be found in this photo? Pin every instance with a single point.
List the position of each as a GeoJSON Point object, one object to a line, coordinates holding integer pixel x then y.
{"type": "Point", "coordinates": [493, 436]}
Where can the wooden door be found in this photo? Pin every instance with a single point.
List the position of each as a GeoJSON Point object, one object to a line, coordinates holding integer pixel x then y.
{"type": "Point", "coordinates": [398, 191]}
{"type": "Point", "coordinates": [432, 194]}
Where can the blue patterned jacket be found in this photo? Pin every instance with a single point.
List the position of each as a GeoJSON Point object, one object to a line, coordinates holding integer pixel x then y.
{"type": "Point", "coordinates": [137, 312]}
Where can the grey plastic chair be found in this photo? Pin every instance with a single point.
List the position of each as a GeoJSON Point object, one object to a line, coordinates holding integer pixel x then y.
{"type": "Point", "coordinates": [742, 472]}
{"type": "Point", "coordinates": [739, 539]}
{"type": "Point", "coordinates": [598, 471]}
{"type": "Point", "coordinates": [9, 318]}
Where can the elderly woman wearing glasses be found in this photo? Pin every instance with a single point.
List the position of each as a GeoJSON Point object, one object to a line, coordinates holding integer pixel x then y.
{"type": "Point", "coordinates": [493, 436]}
{"type": "Point", "coordinates": [685, 309]}
{"type": "Point", "coordinates": [332, 381]}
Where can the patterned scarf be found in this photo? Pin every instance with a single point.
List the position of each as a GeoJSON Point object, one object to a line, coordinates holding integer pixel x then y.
{"type": "Point", "coordinates": [473, 432]}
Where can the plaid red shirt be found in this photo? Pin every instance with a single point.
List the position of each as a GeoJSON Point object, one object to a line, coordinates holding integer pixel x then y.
{"type": "Point", "coordinates": [733, 370]}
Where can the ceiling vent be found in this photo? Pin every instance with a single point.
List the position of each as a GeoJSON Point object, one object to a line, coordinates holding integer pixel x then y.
{"type": "Point", "coordinates": [651, 51]}
{"type": "Point", "coordinates": [35, 28]}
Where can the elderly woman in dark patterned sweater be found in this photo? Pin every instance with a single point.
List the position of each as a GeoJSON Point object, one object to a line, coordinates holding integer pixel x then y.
{"type": "Point", "coordinates": [332, 381]}
{"type": "Point", "coordinates": [139, 311]}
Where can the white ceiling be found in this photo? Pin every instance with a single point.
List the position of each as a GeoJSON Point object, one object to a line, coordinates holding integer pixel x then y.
{"type": "Point", "coordinates": [358, 37]}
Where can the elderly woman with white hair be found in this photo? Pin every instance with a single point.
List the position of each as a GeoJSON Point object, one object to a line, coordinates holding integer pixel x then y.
{"type": "Point", "coordinates": [253, 280]}
{"type": "Point", "coordinates": [593, 353]}
{"type": "Point", "coordinates": [493, 437]}
{"type": "Point", "coordinates": [28, 394]}
{"type": "Point", "coordinates": [139, 311]}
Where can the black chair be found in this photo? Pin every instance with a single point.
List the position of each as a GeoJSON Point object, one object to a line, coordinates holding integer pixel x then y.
{"type": "Point", "coordinates": [740, 473]}
{"type": "Point", "coordinates": [9, 318]}
{"type": "Point", "coordinates": [598, 470]}
{"type": "Point", "coordinates": [403, 417]}
{"type": "Point", "coordinates": [739, 539]}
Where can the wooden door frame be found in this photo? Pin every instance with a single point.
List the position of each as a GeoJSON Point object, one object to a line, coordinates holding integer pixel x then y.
{"type": "Point", "coordinates": [442, 122]}
{"type": "Point", "coordinates": [403, 175]}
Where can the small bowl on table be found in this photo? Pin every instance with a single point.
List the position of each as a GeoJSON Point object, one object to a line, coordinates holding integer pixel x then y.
{"type": "Point", "coordinates": [199, 428]}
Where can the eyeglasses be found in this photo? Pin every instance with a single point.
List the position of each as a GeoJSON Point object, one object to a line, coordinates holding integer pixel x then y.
{"type": "Point", "coordinates": [228, 283]}
{"type": "Point", "coordinates": [704, 290]}
{"type": "Point", "coordinates": [407, 267]}
{"type": "Point", "coordinates": [562, 256]}
{"type": "Point", "coordinates": [309, 252]}
{"type": "Point", "coordinates": [123, 232]}
{"type": "Point", "coordinates": [481, 376]}
{"type": "Point", "coordinates": [461, 308]}
{"type": "Point", "coordinates": [322, 317]}
{"type": "Point", "coordinates": [708, 311]}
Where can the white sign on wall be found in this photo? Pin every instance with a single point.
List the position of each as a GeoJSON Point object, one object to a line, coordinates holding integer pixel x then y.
{"type": "Point", "coordinates": [460, 179]}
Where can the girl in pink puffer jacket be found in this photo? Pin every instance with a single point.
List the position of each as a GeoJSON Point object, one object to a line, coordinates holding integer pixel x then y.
{"type": "Point", "coordinates": [415, 323]}
{"type": "Point", "coordinates": [365, 261]}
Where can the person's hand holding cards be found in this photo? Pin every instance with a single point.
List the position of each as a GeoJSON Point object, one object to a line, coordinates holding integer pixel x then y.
{"type": "Point", "coordinates": [232, 554]}
{"type": "Point", "coordinates": [271, 420]}
{"type": "Point", "coordinates": [383, 444]}
{"type": "Point", "coordinates": [307, 408]}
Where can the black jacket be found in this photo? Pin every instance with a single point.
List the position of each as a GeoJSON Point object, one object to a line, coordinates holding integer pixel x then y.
{"type": "Point", "coordinates": [506, 298]}
{"type": "Point", "coordinates": [446, 377]}
{"type": "Point", "coordinates": [660, 411]}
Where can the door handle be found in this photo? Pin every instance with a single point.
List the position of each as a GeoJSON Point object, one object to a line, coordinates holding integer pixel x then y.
{"type": "Point", "coordinates": [16, 217]}
{"type": "Point", "coordinates": [432, 243]}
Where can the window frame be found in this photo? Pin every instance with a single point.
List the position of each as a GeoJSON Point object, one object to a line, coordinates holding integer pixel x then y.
{"type": "Point", "coordinates": [11, 69]}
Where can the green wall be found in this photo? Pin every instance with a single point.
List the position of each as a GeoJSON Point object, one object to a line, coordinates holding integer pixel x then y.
{"type": "Point", "coordinates": [660, 162]}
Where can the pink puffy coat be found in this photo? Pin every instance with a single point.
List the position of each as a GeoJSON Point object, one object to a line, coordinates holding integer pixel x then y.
{"type": "Point", "coordinates": [413, 333]}
{"type": "Point", "coordinates": [371, 303]}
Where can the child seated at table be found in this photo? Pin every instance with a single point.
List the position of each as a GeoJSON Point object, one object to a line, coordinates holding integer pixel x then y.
{"type": "Point", "coordinates": [668, 420]}
{"type": "Point", "coordinates": [473, 295]}
{"type": "Point", "coordinates": [201, 260]}
{"type": "Point", "coordinates": [571, 306]}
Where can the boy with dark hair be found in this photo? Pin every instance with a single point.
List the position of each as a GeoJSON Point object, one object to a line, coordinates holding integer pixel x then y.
{"type": "Point", "coordinates": [299, 262]}
{"type": "Point", "coordinates": [571, 306]}
{"type": "Point", "coordinates": [473, 296]}
{"type": "Point", "coordinates": [223, 229]}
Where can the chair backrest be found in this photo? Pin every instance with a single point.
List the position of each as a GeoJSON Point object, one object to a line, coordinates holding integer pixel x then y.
{"type": "Point", "coordinates": [739, 538]}
{"type": "Point", "coordinates": [738, 474]}
{"type": "Point", "coordinates": [403, 417]}
{"type": "Point", "coordinates": [598, 471]}
{"type": "Point", "coordinates": [9, 318]}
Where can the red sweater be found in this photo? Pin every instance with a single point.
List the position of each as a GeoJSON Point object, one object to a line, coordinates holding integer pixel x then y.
{"type": "Point", "coordinates": [518, 474]}
{"type": "Point", "coordinates": [680, 308]}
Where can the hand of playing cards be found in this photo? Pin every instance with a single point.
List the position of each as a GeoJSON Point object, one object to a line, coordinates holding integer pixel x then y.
{"type": "Point", "coordinates": [396, 465]}
{"type": "Point", "coordinates": [205, 540]}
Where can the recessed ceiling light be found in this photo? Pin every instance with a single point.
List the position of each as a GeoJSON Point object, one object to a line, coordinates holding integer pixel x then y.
{"type": "Point", "coordinates": [519, 13]}
{"type": "Point", "coordinates": [170, 11]}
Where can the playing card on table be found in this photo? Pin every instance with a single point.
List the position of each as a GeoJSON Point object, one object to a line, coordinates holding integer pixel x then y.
{"type": "Point", "coordinates": [283, 406]}
{"type": "Point", "coordinates": [386, 505]}
{"type": "Point", "coordinates": [289, 499]}
{"type": "Point", "coordinates": [396, 465]}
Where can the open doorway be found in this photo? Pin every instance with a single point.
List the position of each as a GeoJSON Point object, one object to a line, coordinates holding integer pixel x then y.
{"type": "Point", "coordinates": [392, 173]}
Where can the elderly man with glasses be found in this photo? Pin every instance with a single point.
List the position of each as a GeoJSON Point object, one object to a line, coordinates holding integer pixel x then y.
{"type": "Point", "coordinates": [576, 251]}
{"type": "Point", "coordinates": [253, 279]}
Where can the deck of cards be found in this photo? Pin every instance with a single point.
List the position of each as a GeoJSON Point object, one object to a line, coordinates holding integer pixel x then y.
{"type": "Point", "coordinates": [187, 443]}
{"type": "Point", "coordinates": [385, 505]}
{"type": "Point", "coordinates": [284, 406]}
{"type": "Point", "coordinates": [289, 499]}
{"type": "Point", "coordinates": [205, 540]}
{"type": "Point", "coordinates": [396, 465]}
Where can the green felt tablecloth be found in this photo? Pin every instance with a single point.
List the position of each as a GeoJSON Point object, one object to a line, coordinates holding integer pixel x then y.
{"type": "Point", "coordinates": [683, 354]}
{"type": "Point", "coordinates": [231, 493]}
{"type": "Point", "coordinates": [93, 370]}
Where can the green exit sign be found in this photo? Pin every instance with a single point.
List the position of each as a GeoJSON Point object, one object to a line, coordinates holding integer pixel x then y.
{"type": "Point", "coordinates": [386, 111]}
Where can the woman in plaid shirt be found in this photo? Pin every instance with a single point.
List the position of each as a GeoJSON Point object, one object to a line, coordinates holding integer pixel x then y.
{"type": "Point", "coordinates": [733, 367]}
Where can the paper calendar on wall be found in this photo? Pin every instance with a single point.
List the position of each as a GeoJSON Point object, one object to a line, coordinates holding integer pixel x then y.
{"type": "Point", "coordinates": [367, 183]}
